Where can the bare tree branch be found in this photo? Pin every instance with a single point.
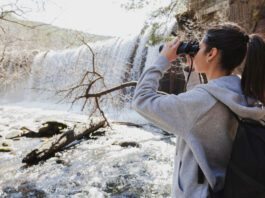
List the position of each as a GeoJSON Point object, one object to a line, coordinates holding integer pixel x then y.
{"type": "Point", "coordinates": [84, 89]}
{"type": "Point", "coordinates": [93, 54]}
{"type": "Point", "coordinates": [101, 112]}
{"type": "Point", "coordinates": [121, 86]}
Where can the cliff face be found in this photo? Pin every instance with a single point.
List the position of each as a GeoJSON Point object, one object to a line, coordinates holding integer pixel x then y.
{"type": "Point", "coordinates": [250, 14]}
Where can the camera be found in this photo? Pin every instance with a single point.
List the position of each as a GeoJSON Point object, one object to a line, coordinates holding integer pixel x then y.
{"type": "Point", "coordinates": [191, 48]}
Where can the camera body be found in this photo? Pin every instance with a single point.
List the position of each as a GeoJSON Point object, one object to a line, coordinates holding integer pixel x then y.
{"type": "Point", "coordinates": [190, 47]}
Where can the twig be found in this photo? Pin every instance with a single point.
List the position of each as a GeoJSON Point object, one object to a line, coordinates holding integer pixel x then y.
{"type": "Point", "coordinates": [123, 85]}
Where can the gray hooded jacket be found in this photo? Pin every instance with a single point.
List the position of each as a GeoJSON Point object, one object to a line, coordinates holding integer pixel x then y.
{"type": "Point", "coordinates": [202, 121]}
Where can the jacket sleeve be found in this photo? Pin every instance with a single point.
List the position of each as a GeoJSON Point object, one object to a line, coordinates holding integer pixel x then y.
{"type": "Point", "coordinates": [173, 113]}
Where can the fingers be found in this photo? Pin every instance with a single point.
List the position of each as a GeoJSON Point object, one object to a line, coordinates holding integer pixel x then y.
{"type": "Point", "coordinates": [188, 59]}
{"type": "Point", "coordinates": [176, 44]}
{"type": "Point", "coordinates": [173, 42]}
{"type": "Point", "coordinates": [170, 49]}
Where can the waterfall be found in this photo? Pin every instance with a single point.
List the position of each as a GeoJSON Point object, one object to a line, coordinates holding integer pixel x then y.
{"type": "Point", "coordinates": [118, 60]}
{"type": "Point", "coordinates": [52, 71]}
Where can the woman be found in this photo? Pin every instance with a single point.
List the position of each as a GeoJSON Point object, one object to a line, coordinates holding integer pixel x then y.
{"type": "Point", "coordinates": [202, 117]}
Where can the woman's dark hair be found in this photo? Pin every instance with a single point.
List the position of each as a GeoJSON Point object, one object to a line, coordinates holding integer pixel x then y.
{"type": "Point", "coordinates": [253, 76]}
{"type": "Point", "coordinates": [234, 45]}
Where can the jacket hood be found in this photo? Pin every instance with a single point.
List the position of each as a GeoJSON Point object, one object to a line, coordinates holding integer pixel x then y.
{"type": "Point", "coordinates": [228, 90]}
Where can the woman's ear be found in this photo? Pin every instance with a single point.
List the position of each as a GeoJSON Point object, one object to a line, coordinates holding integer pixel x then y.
{"type": "Point", "coordinates": [212, 54]}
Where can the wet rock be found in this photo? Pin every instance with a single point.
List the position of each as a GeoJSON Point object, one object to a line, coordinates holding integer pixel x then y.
{"type": "Point", "coordinates": [51, 128]}
{"type": "Point", "coordinates": [5, 149]}
{"type": "Point", "coordinates": [129, 144]}
{"type": "Point", "coordinates": [5, 146]}
{"type": "Point", "coordinates": [63, 162]}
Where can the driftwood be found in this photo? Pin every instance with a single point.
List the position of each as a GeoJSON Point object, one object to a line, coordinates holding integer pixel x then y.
{"type": "Point", "coordinates": [49, 148]}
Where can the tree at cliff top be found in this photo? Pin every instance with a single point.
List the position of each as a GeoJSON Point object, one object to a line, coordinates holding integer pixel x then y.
{"type": "Point", "coordinates": [161, 15]}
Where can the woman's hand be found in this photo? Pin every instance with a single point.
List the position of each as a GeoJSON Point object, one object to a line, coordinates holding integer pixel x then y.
{"type": "Point", "coordinates": [170, 50]}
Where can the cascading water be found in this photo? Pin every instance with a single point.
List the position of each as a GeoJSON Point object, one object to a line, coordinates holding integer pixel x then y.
{"type": "Point", "coordinates": [15, 68]}
{"type": "Point", "coordinates": [53, 71]}
{"type": "Point", "coordinates": [118, 60]}
{"type": "Point", "coordinates": [164, 30]}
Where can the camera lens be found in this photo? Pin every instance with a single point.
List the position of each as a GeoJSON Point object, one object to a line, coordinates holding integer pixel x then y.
{"type": "Point", "coordinates": [191, 48]}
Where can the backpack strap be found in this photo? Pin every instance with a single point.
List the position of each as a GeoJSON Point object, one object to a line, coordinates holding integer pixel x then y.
{"type": "Point", "coordinates": [201, 176]}
{"type": "Point", "coordinates": [211, 193]}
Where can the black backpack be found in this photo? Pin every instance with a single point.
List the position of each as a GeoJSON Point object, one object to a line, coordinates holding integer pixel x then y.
{"type": "Point", "coordinates": [245, 176]}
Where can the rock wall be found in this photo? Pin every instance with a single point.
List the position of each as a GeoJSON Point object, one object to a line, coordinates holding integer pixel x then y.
{"type": "Point", "coordinates": [248, 13]}
{"type": "Point", "coordinates": [199, 14]}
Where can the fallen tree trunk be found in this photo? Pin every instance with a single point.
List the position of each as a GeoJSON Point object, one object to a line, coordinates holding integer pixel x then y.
{"type": "Point", "coordinates": [48, 149]}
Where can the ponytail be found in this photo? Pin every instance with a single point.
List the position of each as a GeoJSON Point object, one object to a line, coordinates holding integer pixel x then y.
{"type": "Point", "coordinates": [253, 76]}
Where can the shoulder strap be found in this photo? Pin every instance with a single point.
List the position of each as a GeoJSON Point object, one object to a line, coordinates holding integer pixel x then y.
{"type": "Point", "coordinates": [201, 176]}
